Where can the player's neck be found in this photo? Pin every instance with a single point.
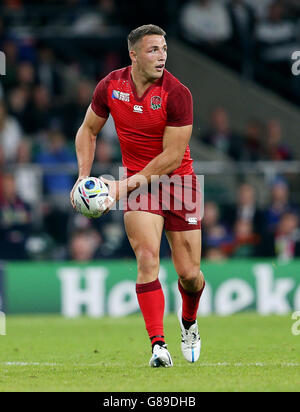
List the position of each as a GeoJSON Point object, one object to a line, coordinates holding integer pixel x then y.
{"type": "Point", "coordinates": [140, 82]}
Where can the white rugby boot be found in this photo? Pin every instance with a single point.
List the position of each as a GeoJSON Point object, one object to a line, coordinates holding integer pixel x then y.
{"type": "Point", "coordinates": [190, 340]}
{"type": "Point", "coordinates": [160, 357]}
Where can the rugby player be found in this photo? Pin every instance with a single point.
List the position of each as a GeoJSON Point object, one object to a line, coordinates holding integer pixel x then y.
{"type": "Point", "coordinates": [153, 115]}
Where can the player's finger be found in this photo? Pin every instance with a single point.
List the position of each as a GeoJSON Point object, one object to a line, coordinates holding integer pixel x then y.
{"type": "Point", "coordinates": [109, 201]}
{"type": "Point", "coordinates": [106, 181]}
{"type": "Point", "coordinates": [72, 198]}
{"type": "Point", "coordinates": [73, 190]}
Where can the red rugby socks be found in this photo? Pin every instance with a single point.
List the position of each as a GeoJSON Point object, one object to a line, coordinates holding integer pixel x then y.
{"type": "Point", "coordinates": [190, 304]}
{"type": "Point", "coordinates": [152, 304]}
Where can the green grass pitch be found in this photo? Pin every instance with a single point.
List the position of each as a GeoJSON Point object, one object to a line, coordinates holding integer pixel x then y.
{"type": "Point", "coordinates": [244, 352]}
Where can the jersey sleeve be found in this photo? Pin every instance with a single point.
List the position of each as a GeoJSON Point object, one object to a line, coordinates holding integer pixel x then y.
{"type": "Point", "coordinates": [179, 107]}
{"type": "Point", "coordinates": [99, 101]}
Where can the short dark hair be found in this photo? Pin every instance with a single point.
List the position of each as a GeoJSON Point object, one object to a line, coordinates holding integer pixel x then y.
{"type": "Point", "coordinates": [146, 30]}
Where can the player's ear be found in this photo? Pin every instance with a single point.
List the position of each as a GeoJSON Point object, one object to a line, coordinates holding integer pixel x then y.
{"type": "Point", "coordinates": [132, 55]}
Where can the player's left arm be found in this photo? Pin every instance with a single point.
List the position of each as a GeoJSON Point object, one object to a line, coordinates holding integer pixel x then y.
{"type": "Point", "coordinates": [175, 141]}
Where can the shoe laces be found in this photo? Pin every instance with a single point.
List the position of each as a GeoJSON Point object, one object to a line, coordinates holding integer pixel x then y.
{"type": "Point", "coordinates": [159, 347]}
{"type": "Point", "coordinates": [191, 336]}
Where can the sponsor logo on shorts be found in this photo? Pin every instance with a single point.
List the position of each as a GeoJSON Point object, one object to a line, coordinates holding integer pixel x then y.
{"type": "Point", "coordinates": [192, 221]}
{"type": "Point", "coordinates": [138, 109]}
{"type": "Point", "coordinates": [124, 97]}
{"type": "Point", "coordinates": [155, 102]}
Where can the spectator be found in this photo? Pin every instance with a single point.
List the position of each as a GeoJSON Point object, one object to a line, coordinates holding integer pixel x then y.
{"type": "Point", "coordinates": [104, 152]}
{"type": "Point", "coordinates": [276, 35]}
{"type": "Point", "coordinates": [260, 7]}
{"type": "Point", "coordinates": [285, 242]}
{"type": "Point", "coordinates": [221, 136]}
{"type": "Point", "coordinates": [109, 135]}
{"type": "Point", "coordinates": [205, 21]}
{"type": "Point", "coordinates": [279, 205]}
{"type": "Point", "coordinates": [10, 136]}
{"type": "Point", "coordinates": [18, 103]}
{"type": "Point", "coordinates": [89, 21]}
{"type": "Point", "coordinates": [244, 209]}
{"type": "Point", "coordinates": [215, 234]}
{"type": "Point", "coordinates": [15, 221]}
{"type": "Point", "coordinates": [83, 245]}
{"type": "Point", "coordinates": [244, 242]}
{"type": "Point", "coordinates": [253, 149]}
{"type": "Point", "coordinates": [73, 113]}
{"type": "Point", "coordinates": [41, 116]}
{"type": "Point", "coordinates": [215, 255]}
{"type": "Point", "coordinates": [287, 237]}
{"type": "Point", "coordinates": [293, 8]}
{"type": "Point", "coordinates": [57, 186]}
{"type": "Point", "coordinates": [275, 149]}
{"type": "Point", "coordinates": [109, 10]}
{"type": "Point", "coordinates": [26, 75]}
{"type": "Point", "coordinates": [108, 132]}
{"type": "Point", "coordinates": [57, 154]}
{"type": "Point", "coordinates": [242, 19]}
{"type": "Point", "coordinates": [26, 175]}
{"type": "Point", "coordinates": [48, 74]}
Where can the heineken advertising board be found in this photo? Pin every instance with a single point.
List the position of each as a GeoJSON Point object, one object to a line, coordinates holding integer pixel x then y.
{"type": "Point", "coordinates": [108, 288]}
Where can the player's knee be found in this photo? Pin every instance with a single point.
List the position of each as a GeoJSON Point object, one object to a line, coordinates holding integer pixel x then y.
{"type": "Point", "coordinates": [202, 279]}
{"type": "Point", "coordinates": [190, 273]}
{"type": "Point", "coordinates": [147, 259]}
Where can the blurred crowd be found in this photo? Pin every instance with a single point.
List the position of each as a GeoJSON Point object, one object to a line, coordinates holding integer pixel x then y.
{"type": "Point", "coordinates": [244, 230]}
{"type": "Point", "coordinates": [255, 37]}
{"type": "Point", "coordinates": [259, 141]}
{"type": "Point", "coordinates": [43, 99]}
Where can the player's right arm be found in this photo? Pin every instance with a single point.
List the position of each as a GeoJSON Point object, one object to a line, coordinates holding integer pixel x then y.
{"type": "Point", "coordinates": [85, 144]}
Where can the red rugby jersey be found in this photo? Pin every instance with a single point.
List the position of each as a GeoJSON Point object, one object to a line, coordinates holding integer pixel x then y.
{"type": "Point", "coordinates": [140, 122]}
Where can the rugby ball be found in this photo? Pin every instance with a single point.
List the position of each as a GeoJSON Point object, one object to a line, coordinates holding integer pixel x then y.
{"type": "Point", "coordinates": [89, 197]}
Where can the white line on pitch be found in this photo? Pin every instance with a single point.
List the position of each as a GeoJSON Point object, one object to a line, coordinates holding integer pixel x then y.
{"type": "Point", "coordinates": [28, 364]}
{"type": "Point", "coordinates": [201, 364]}
{"type": "Point", "coordinates": [241, 364]}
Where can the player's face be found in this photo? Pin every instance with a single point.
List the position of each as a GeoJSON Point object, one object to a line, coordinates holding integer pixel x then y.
{"type": "Point", "coordinates": [150, 56]}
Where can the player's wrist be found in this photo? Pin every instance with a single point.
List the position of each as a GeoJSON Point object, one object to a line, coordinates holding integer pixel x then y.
{"type": "Point", "coordinates": [121, 189]}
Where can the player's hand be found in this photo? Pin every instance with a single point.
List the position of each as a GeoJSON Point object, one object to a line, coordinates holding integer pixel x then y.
{"type": "Point", "coordinates": [113, 193]}
{"type": "Point", "coordinates": [73, 190]}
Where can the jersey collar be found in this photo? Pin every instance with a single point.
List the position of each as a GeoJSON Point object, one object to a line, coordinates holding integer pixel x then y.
{"type": "Point", "coordinates": [133, 89]}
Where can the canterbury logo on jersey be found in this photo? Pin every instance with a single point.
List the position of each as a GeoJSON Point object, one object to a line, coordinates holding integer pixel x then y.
{"type": "Point", "coordinates": [116, 94]}
{"type": "Point", "coordinates": [192, 221]}
{"type": "Point", "coordinates": [138, 109]}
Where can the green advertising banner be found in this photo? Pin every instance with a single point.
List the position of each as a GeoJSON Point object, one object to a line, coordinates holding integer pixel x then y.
{"type": "Point", "coordinates": [108, 288]}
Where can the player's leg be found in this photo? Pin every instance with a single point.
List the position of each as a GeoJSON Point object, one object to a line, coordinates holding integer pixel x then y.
{"type": "Point", "coordinates": [186, 256]}
{"type": "Point", "coordinates": [144, 232]}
